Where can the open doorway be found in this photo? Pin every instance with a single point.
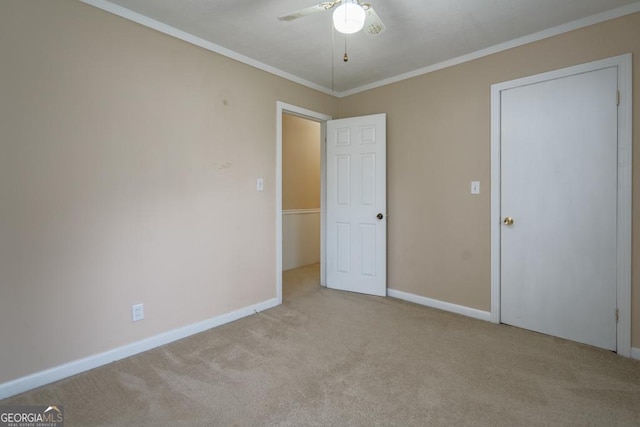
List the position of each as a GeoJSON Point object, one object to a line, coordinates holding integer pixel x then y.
{"type": "Point", "coordinates": [354, 223]}
{"type": "Point", "coordinates": [300, 213]}
{"type": "Point", "coordinates": [301, 202]}
{"type": "Point", "coordinates": [300, 192]}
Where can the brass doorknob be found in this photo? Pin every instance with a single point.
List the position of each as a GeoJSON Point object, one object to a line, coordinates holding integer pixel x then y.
{"type": "Point", "coordinates": [508, 221]}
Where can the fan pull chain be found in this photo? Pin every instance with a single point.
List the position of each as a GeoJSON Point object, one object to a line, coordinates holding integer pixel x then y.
{"type": "Point", "coordinates": [345, 58]}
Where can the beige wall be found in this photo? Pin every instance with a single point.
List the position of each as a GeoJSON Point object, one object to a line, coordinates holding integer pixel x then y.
{"type": "Point", "coordinates": [438, 141]}
{"type": "Point", "coordinates": [300, 163]}
{"type": "Point", "coordinates": [128, 162]}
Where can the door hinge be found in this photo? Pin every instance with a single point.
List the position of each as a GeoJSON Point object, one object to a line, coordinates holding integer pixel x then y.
{"type": "Point", "coordinates": [617, 315]}
{"type": "Point", "coordinates": [618, 98]}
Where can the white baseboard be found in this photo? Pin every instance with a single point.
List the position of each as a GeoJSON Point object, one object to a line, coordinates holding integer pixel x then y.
{"type": "Point", "coordinates": [57, 373]}
{"type": "Point", "coordinates": [635, 353]}
{"type": "Point", "coordinates": [446, 306]}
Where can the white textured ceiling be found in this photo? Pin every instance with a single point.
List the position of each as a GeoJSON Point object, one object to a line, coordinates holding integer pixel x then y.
{"type": "Point", "coordinates": [419, 34]}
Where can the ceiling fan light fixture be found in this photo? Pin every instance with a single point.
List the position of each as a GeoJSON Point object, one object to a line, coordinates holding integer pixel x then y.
{"type": "Point", "coordinates": [348, 18]}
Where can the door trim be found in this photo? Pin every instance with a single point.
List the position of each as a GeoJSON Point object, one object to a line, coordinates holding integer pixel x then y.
{"type": "Point", "coordinates": [282, 108]}
{"type": "Point", "coordinates": [624, 208]}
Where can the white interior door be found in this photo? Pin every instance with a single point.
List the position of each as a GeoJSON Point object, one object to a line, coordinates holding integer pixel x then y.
{"type": "Point", "coordinates": [558, 185]}
{"type": "Point", "coordinates": [356, 230]}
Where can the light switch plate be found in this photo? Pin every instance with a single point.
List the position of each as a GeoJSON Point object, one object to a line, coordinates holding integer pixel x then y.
{"type": "Point", "coordinates": [475, 187]}
{"type": "Point", "coordinates": [137, 312]}
{"type": "Point", "coordinates": [259, 184]}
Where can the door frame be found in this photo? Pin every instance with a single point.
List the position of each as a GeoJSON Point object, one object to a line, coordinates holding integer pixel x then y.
{"type": "Point", "coordinates": [282, 108]}
{"type": "Point", "coordinates": [624, 207]}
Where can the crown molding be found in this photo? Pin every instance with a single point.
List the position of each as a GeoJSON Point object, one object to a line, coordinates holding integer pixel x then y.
{"type": "Point", "coordinates": [190, 38]}
{"type": "Point", "coordinates": [521, 41]}
{"type": "Point", "coordinates": [200, 42]}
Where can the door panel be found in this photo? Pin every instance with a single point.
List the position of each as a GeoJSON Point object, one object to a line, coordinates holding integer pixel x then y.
{"type": "Point", "coordinates": [368, 180]}
{"type": "Point", "coordinates": [356, 194]}
{"type": "Point", "coordinates": [343, 246]}
{"type": "Point", "coordinates": [343, 180]}
{"type": "Point", "coordinates": [559, 184]}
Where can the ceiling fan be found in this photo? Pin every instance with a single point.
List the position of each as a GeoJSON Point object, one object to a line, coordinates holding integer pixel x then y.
{"type": "Point", "coordinates": [349, 17]}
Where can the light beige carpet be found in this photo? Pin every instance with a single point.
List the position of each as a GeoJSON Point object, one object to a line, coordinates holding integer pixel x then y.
{"type": "Point", "coordinates": [331, 358]}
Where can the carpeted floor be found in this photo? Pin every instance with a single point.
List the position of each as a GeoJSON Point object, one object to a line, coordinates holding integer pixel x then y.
{"type": "Point", "coordinates": [332, 358]}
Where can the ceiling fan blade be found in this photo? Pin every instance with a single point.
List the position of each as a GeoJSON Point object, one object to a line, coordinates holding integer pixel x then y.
{"type": "Point", "coordinates": [373, 25]}
{"type": "Point", "coordinates": [308, 11]}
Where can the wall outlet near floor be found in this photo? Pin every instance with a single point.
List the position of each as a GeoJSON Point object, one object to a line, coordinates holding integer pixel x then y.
{"type": "Point", "coordinates": [137, 312]}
